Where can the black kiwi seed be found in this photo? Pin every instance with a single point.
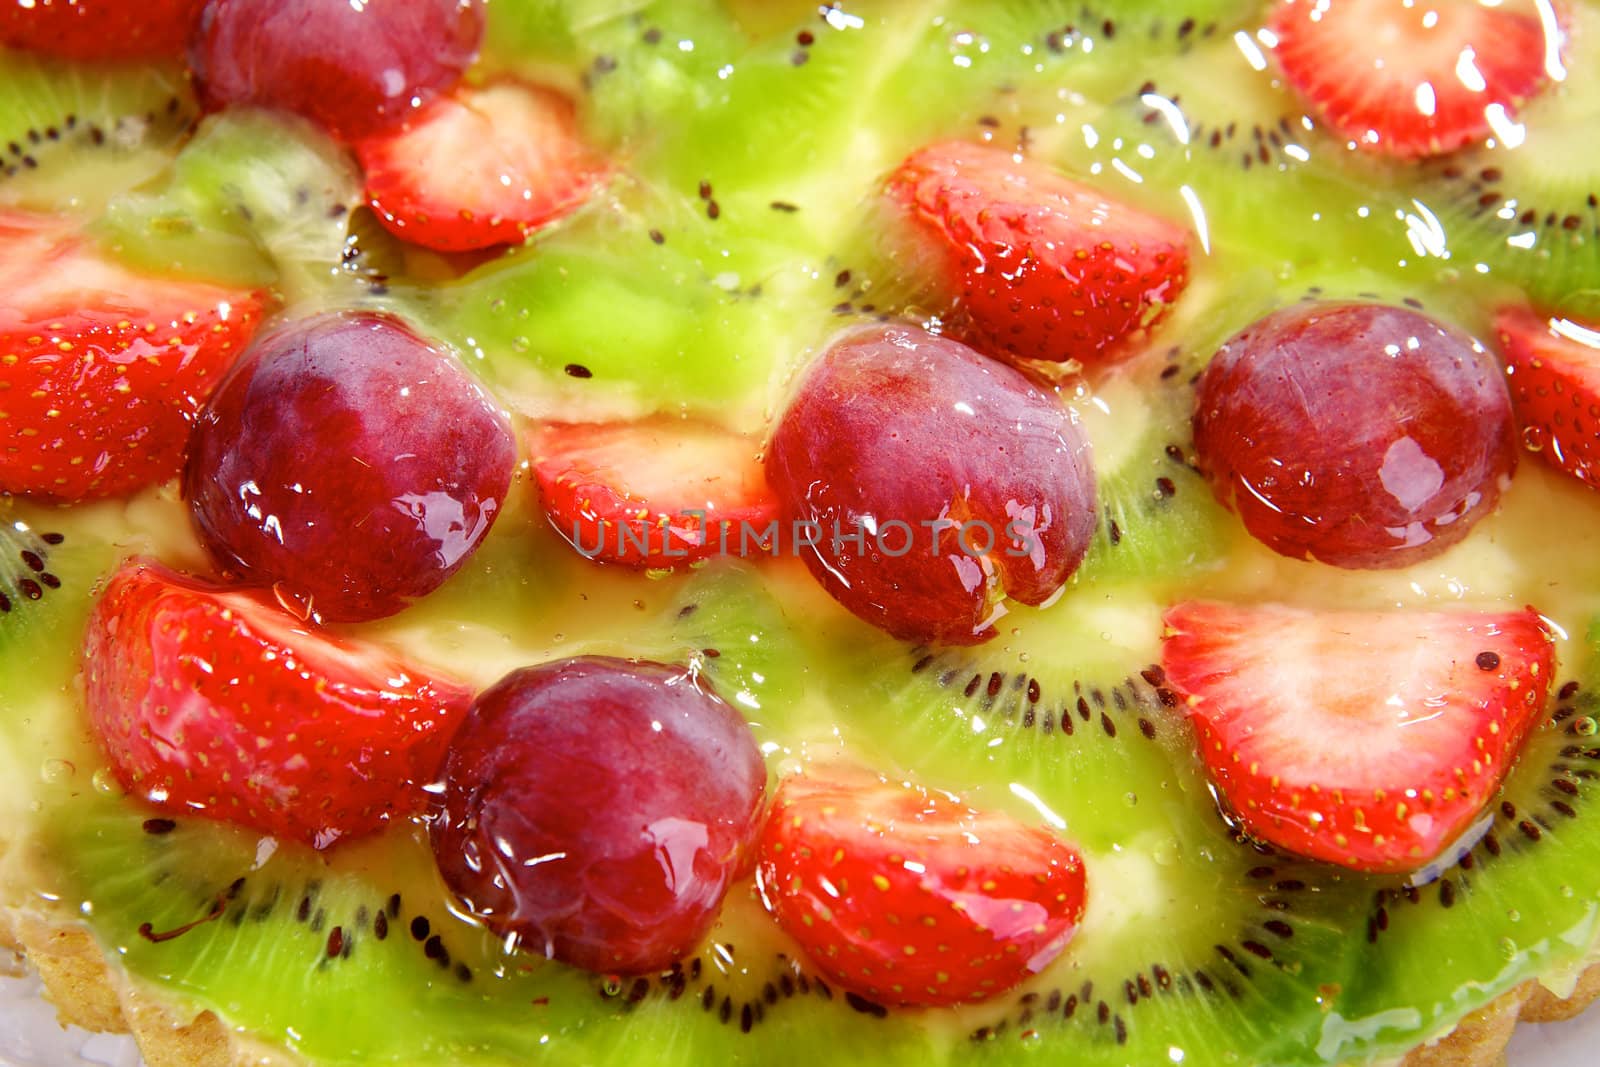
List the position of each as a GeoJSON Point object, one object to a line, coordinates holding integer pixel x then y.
{"type": "Point", "coordinates": [785, 980]}
{"type": "Point", "coordinates": [173, 120]}
{"type": "Point", "coordinates": [1259, 947]}
{"type": "Point", "coordinates": [865, 1006]}
{"type": "Point", "coordinates": [1024, 702]}
{"type": "Point", "coordinates": [1482, 199]}
{"type": "Point", "coordinates": [24, 565]}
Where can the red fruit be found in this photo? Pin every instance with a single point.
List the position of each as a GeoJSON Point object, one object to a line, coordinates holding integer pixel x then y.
{"type": "Point", "coordinates": [625, 492]}
{"type": "Point", "coordinates": [1041, 267]}
{"type": "Point", "coordinates": [99, 29]}
{"type": "Point", "coordinates": [1355, 434]}
{"type": "Point", "coordinates": [1367, 740]}
{"type": "Point", "coordinates": [1408, 79]}
{"type": "Point", "coordinates": [596, 810]}
{"type": "Point", "coordinates": [219, 703]}
{"type": "Point", "coordinates": [357, 68]}
{"type": "Point", "coordinates": [102, 371]}
{"type": "Point", "coordinates": [481, 168]}
{"type": "Point", "coordinates": [911, 897]}
{"type": "Point", "coordinates": [349, 463]}
{"type": "Point", "coordinates": [929, 484]}
{"type": "Point", "coordinates": [1554, 371]}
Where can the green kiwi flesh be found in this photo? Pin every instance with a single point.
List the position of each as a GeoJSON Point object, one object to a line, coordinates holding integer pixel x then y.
{"type": "Point", "coordinates": [1530, 213]}
{"type": "Point", "coordinates": [1528, 877]}
{"type": "Point", "coordinates": [726, 252]}
{"type": "Point", "coordinates": [253, 198]}
{"type": "Point", "coordinates": [70, 138]}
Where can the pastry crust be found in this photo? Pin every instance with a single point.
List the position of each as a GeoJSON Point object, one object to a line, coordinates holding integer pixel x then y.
{"type": "Point", "coordinates": [87, 992]}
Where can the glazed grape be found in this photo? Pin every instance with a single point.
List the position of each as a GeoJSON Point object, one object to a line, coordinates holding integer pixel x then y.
{"type": "Point", "coordinates": [357, 68]}
{"type": "Point", "coordinates": [1360, 435]}
{"type": "Point", "coordinates": [348, 462]}
{"type": "Point", "coordinates": [950, 480]}
{"type": "Point", "coordinates": [595, 811]}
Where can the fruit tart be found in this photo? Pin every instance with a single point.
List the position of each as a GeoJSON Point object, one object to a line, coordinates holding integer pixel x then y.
{"type": "Point", "coordinates": [565, 531]}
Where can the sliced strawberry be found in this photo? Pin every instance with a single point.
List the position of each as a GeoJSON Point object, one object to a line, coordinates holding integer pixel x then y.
{"type": "Point", "coordinates": [102, 371]}
{"type": "Point", "coordinates": [1408, 79]}
{"type": "Point", "coordinates": [1367, 740]}
{"type": "Point", "coordinates": [481, 168]}
{"type": "Point", "coordinates": [657, 493]}
{"type": "Point", "coordinates": [911, 897]}
{"type": "Point", "coordinates": [1554, 370]}
{"type": "Point", "coordinates": [99, 29]}
{"type": "Point", "coordinates": [219, 703]}
{"type": "Point", "coordinates": [1040, 267]}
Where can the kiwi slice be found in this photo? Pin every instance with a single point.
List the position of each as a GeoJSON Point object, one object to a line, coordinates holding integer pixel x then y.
{"type": "Point", "coordinates": [26, 576]}
{"type": "Point", "coordinates": [1063, 25]}
{"type": "Point", "coordinates": [47, 575]}
{"type": "Point", "coordinates": [1200, 942]}
{"type": "Point", "coordinates": [615, 314]}
{"type": "Point", "coordinates": [1158, 519]}
{"type": "Point", "coordinates": [1527, 209]}
{"type": "Point", "coordinates": [48, 571]}
{"type": "Point", "coordinates": [256, 199]}
{"type": "Point", "coordinates": [1214, 138]}
{"type": "Point", "coordinates": [71, 138]}
{"type": "Point", "coordinates": [318, 955]}
{"type": "Point", "coordinates": [1520, 899]}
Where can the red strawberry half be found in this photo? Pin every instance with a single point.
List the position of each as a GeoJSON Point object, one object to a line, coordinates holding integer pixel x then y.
{"type": "Point", "coordinates": [99, 29]}
{"type": "Point", "coordinates": [102, 371]}
{"type": "Point", "coordinates": [1040, 267]}
{"type": "Point", "coordinates": [1367, 740]}
{"type": "Point", "coordinates": [657, 493]}
{"type": "Point", "coordinates": [911, 897]}
{"type": "Point", "coordinates": [219, 703]}
{"type": "Point", "coordinates": [484, 167]}
{"type": "Point", "coordinates": [1410, 79]}
{"type": "Point", "coordinates": [1554, 371]}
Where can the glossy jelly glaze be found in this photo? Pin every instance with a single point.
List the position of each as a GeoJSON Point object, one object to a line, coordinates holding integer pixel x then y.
{"type": "Point", "coordinates": [744, 234]}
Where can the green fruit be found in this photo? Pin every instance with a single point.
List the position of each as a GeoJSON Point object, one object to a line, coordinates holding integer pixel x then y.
{"type": "Point", "coordinates": [70, 139]}
{"type": "Point", "coordinates": [254, 199]}
{"type": "Point", "coordinates": [1528, 213]}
